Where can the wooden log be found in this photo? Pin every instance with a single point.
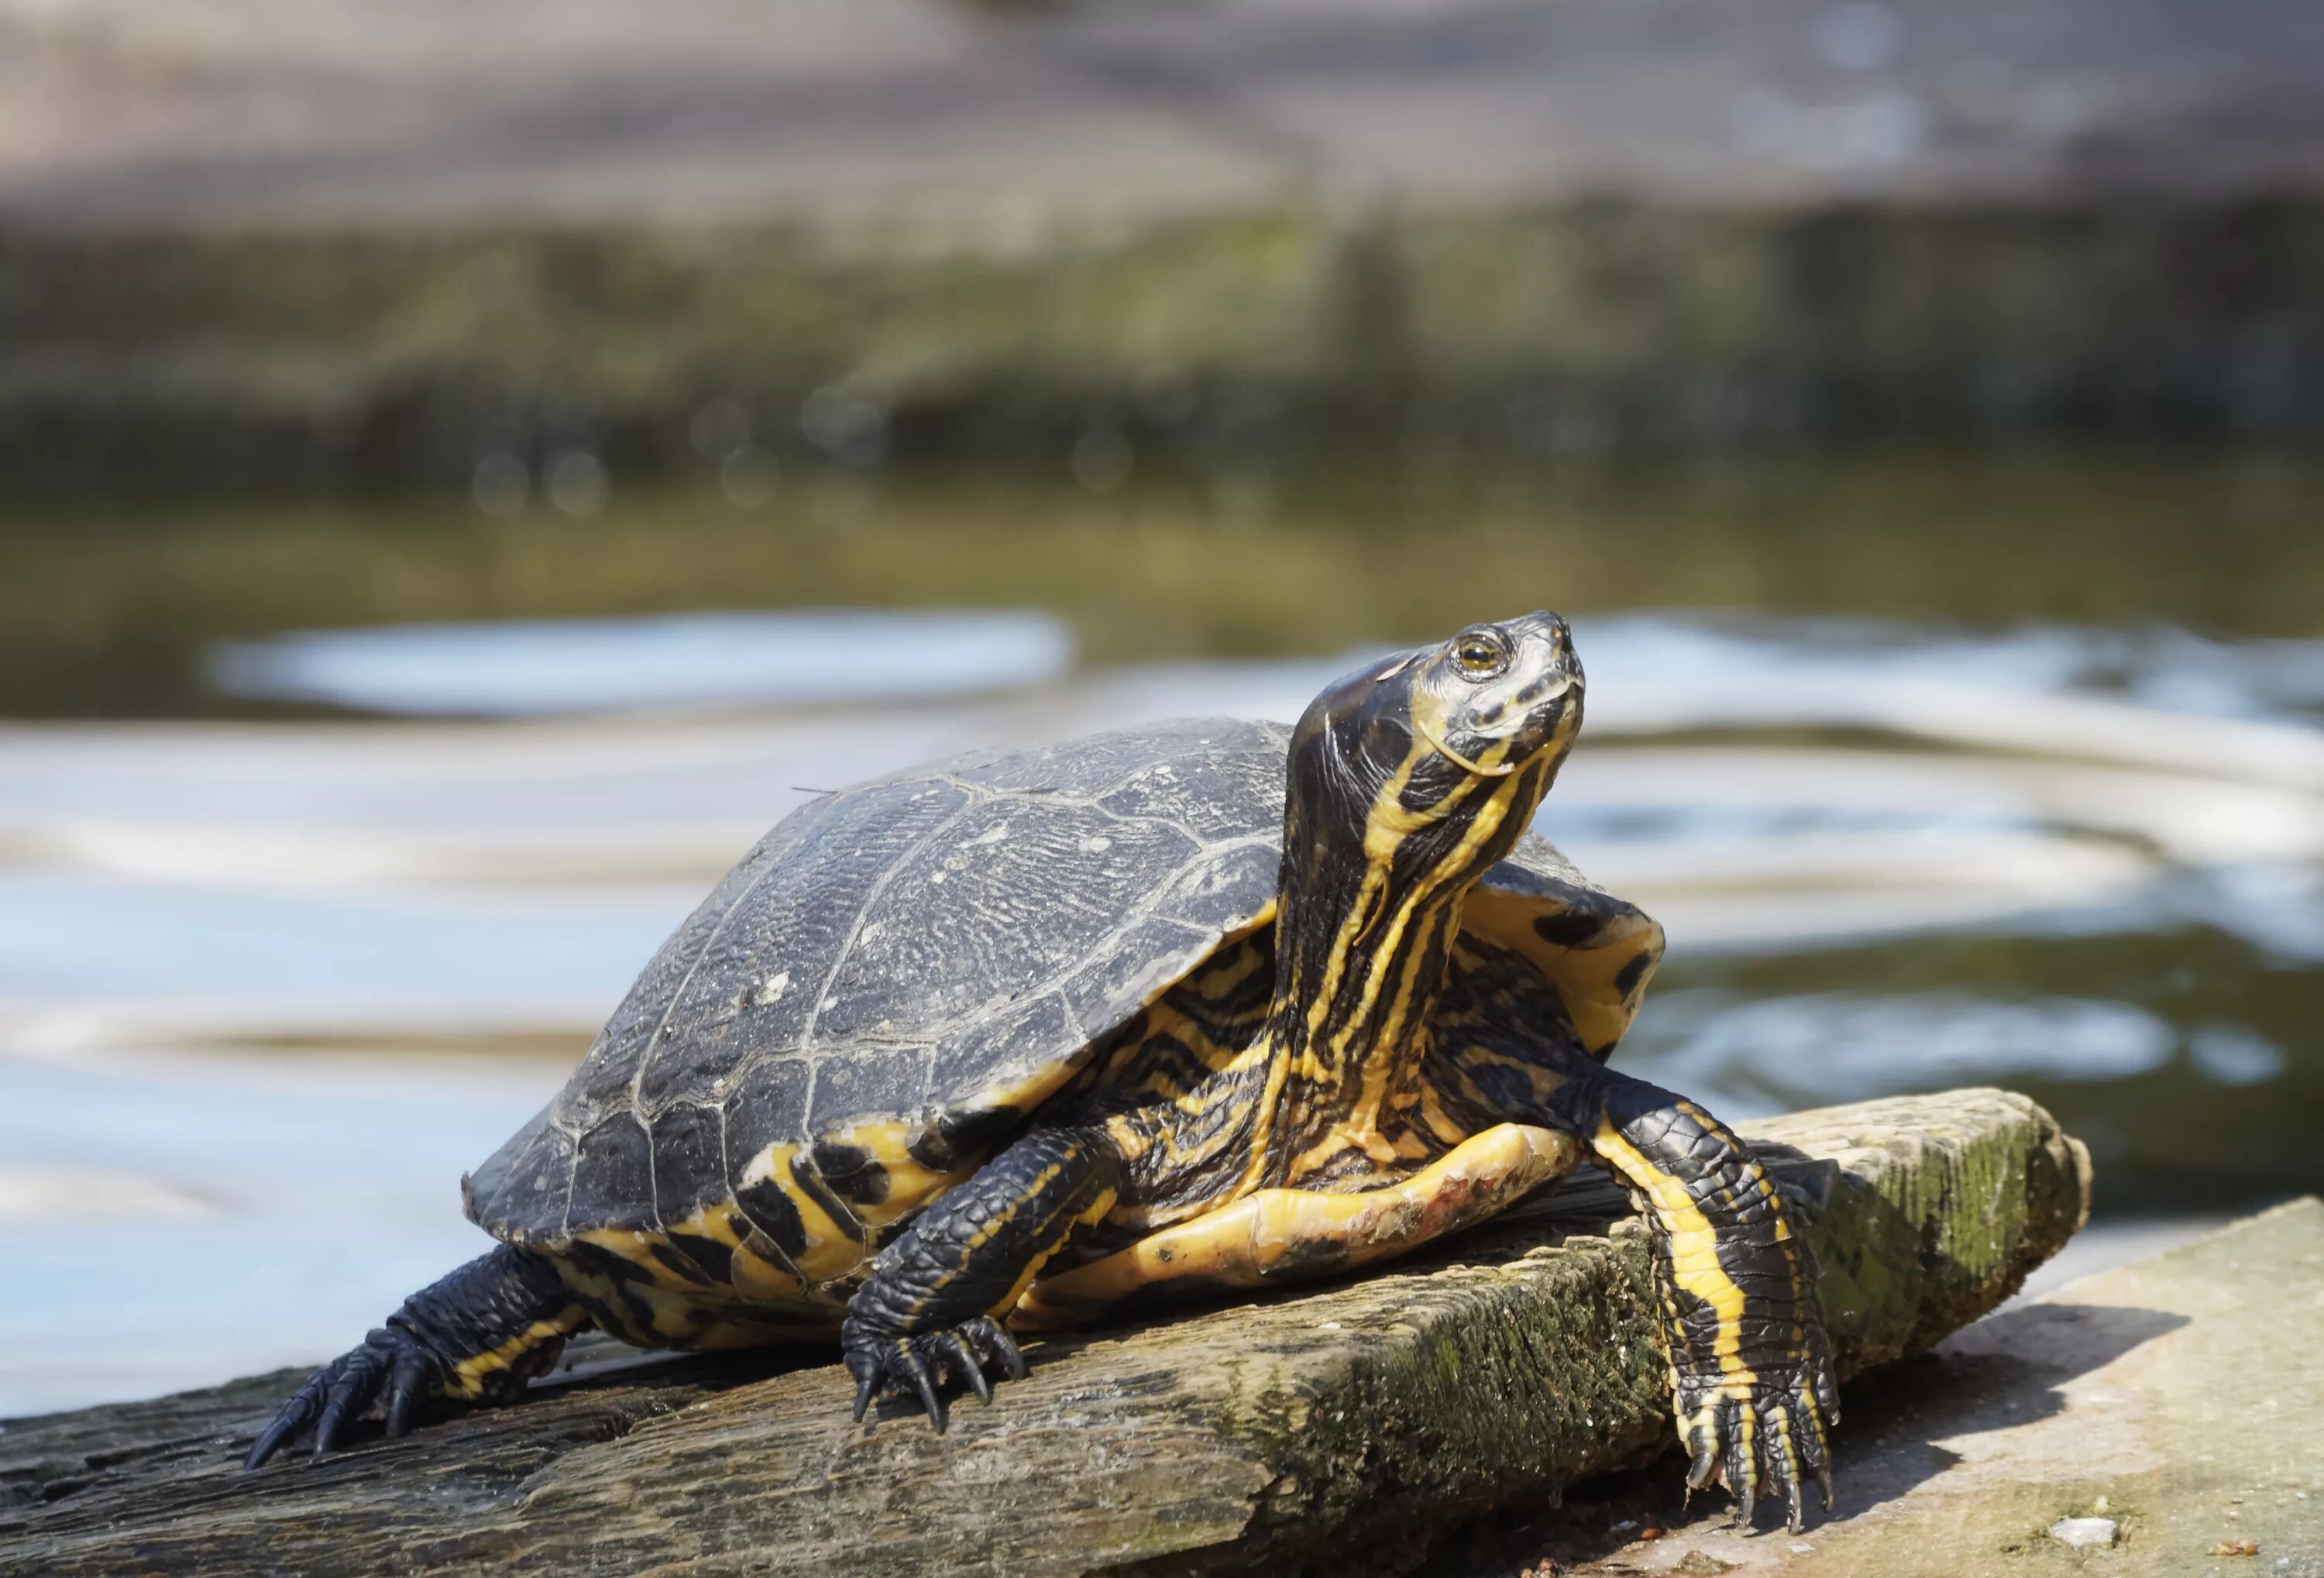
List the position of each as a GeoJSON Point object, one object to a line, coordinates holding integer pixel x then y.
{"type": "Point", "coordinates": [1489, 1373]}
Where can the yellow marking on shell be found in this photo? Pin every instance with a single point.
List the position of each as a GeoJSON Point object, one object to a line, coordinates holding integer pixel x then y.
{"type": "Point", "coordinates": [831, 1252]}
{"type": "Point", "coordinates": [467, 1377]}
{"type": "Point", "coordinates": [911, 1184]}
{"type": "Point", "coordinates": [637, 1247]}
{"type": "Point", "coordinates": [1280, 1235]}
{"type": "Point", "coordinates": [759, 1302]}
{"type": "Point", "coordinates": [1693, 1245]}
{"type": "Point", "coordinates": [715, 1221]}
{"type": "Point", "coordinates": [753, 1282]}
{"type": "Point", "coordinates": [671, 1302]}
{"type": "Point", "coordinates": [1584, 974]}
{"type": "Point", "coordinates": [761, 1281]}
{"type": "Point", "coordinates": [1023, 1094]}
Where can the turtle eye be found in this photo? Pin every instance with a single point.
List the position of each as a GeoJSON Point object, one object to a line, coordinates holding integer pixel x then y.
{"type": "Point", "coordinates": [1481, 653]}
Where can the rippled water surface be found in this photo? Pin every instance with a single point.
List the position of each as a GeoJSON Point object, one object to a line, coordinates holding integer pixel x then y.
{"type": "Point", "coordinates": [274, 972]}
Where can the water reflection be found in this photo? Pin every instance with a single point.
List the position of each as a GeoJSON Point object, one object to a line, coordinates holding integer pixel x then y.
{"type": "Point", "coordinates": [258, 1212]}
{"type": "Point", "coordinates": [546, 666]}
{"type": "Point", "coordinates": [1851, 1045]}
{"type": "Point", "coordinates": [266, 991]}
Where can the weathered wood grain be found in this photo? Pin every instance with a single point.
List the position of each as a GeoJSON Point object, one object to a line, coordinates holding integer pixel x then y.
{"type": "Point", "coordinates": [1491, 1373]}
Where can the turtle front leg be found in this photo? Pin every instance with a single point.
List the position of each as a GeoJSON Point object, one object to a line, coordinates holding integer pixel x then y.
{"type": "Point", "coordinates": [1750, 1365]}
{"type": "Point", "coordinates": [936, 1296]}
{"type": "Point", "coordinates": [477, 1336]}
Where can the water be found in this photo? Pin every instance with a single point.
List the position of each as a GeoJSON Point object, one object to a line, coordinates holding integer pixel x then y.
{"type": "Point", "coordinates": [269, 982]}
{"type": "Point", "coordinates": [540, 666]}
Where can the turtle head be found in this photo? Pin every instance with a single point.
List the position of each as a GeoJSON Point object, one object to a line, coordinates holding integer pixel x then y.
{"type": "Point", "coordinates": [1498, 697]}
{"type": "Point", "coordinates": [1409, 738]}
{"type": "Point", "coordinates": [1408, 780]}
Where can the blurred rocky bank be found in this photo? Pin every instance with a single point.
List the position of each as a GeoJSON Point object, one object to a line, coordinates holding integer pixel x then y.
{"type": "Point", "coordinates": [339, 242]}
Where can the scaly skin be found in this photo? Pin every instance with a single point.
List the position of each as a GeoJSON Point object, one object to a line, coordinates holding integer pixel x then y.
{"type": "Point", "coordinates": [476, 1336]}
{"type": "Point", "coordinates": [931, 1303]}
{"type": "Point", "coordinates": [1750, 1364]}
{"type": "Point", "coordinates": [1750, 1367]}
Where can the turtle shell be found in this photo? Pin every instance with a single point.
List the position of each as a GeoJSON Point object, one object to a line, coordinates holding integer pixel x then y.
{"type": "Point", "coordinates": [899, 972]}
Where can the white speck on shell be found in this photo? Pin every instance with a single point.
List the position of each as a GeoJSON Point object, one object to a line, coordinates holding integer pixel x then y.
{"type": "Point", "coordinates": [1097, 843]}
{"type": "Point", "coordinates": [772, 989]}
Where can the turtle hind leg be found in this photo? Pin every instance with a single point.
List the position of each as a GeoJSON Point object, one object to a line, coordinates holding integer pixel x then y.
{"type": "Point", "coordinates": [477, 1336]}
{"type": "Point", "coordinates": [930, 1304]}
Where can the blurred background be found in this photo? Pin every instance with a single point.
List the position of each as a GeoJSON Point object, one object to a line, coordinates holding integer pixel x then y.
{"type": "Point", "coordinates": [466, 469]}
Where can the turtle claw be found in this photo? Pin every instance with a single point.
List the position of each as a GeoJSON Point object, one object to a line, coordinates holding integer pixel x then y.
{"type": "Point", "coordinates": [968, 1365]}
{"type": "Point", "coordinates": [912, 1364]}
{"type": "Point", "coordinates": [405, 1388]}
{"type": "Point", "coordinates": [293, 1418]}
{"type": "Point", "coordinates": [1703, 1471]}
{"type": "Point", "coordinates": [390, 1361]}
{"type": "Point", "coordinates": [997, 1340]}
{"type": "Point", "coordinates": [1766, 1436]}
{"type": "Point", "coordinates": [924, 1383]}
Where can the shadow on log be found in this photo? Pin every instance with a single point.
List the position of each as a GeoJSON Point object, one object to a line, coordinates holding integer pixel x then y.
{"type": "Point", "coordinates": [1290, 1431]}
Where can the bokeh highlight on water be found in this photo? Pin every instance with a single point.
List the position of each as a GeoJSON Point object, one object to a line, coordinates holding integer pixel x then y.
{"type": "Point", "coordinates": [265, 991]}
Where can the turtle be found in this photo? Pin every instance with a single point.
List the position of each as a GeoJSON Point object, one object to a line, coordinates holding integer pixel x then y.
{"type": "Point", "coordinates": [1002, 1043]}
